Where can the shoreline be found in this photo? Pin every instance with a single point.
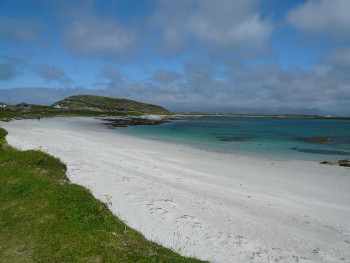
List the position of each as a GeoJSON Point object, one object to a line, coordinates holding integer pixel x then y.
{"type": "Point", "coordinates": [214, 206]}
{"type": "Point", "coordinates": [296, 147]}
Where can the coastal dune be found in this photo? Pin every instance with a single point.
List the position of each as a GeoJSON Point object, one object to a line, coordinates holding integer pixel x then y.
{"type": "Point", "coordinates": [213, 206]}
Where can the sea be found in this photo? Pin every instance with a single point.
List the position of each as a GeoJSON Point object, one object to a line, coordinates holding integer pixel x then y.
{"type": "Point", "coordinates": [281, 138]}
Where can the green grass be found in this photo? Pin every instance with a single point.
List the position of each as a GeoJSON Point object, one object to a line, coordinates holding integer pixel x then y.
{"type": "Point", "coordinates": [90, 102]}
{"type": "Point", "coordinates": [44, 218]}
{"type": "Point", "coordinates": [83, 105]}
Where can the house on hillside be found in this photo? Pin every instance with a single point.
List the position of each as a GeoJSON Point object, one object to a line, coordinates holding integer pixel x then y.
{"type": "Point", "coordinates": [60, 107]}
{"type": "Point", "coordinates": [2, 105]}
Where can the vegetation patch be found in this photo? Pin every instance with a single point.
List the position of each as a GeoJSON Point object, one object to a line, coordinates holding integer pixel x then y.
{"type": "Point", "coordinates": [3, 134]}
{"type": "Point", "coordinates": [44, 218]}
{"type": "Point", "coordinates": [107, 104]}
{"type": "Point", "coordinates": [81, 105]}
{"type": "Point", "coordinates": [46, 111]}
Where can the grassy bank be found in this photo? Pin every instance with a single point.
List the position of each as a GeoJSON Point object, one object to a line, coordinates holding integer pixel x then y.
{"type": "Point", "coordinates": [44, 218]}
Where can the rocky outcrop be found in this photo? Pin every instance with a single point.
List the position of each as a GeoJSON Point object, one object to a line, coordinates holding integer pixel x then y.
{"type": "Point", "coordinates": [345, 162]}
{"type": "Point", "coordinates": [233, 139]}
{"type": "Point", "coordinates": [317, 139]}
{"type": "Point", "coordinates": [131, 121]}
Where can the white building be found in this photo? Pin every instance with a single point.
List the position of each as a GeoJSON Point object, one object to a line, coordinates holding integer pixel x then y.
{"type": "Point", "coordinates": [58, 106]}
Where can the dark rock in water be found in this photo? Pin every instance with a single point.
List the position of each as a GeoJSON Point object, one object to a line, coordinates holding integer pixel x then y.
{"type": "Point", "coordinates": [345, 163]}
{"type": "Point", "coordinates": [330, 162]}
{"type": "Point", "coordinates": [329, 152]}
{"type": "Point", "coordinates": [131, 121]}
{"type": "Point", "coordinates": [316, 139]}
{"type": "Point", "coordinates": [233, 139]}
{"type": "Point", "coordinates": [226, 139]}
{"type": "Point", "coordinates": [294, 148]}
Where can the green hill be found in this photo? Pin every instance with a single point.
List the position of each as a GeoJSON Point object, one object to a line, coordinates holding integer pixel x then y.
{"type": "Point", "coordinates": [106, 104]}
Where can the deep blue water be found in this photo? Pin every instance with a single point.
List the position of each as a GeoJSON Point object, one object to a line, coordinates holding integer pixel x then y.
{"type": "Point", "coordinates": [273, 137]}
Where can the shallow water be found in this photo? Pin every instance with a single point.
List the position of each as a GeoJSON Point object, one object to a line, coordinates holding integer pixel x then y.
{"type": "Point", "coordinates": [272, 137]}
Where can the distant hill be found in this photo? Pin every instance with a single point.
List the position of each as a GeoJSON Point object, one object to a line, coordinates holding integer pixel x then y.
{"type": "Point", "coordinates": [106, 104]}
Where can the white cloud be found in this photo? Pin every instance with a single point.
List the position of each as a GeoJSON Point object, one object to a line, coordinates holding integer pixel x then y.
{"type": "Point", "coordinates": [50, 73]}
{"type": "Point", "coordinates": [19, 30]}
{"type": "Point", "coordinates": [11, 67]}
{"type": "Point", "coordinates": [98, 36]}
{"type": "Point", "coordinates": [111, 78]}
{"type": "Point", "coordinates": [226, 23]}
{"type": "Point", "coordinates": [258, 89]}
{"type": "Point", "coordinates": [8, 71]}
{"type": "Point", "coordinates": [39, 95]}
{"type": "Point", "coordinates": [340, 57]}
{"type": "Point", "coordinates": [221, 24]}
{"type": "Point", "coordinates": [322, 17]}
{"type": "Point", "coordinates": [165, 76]}
{"type": "Point", "coordinates": [109, 72]}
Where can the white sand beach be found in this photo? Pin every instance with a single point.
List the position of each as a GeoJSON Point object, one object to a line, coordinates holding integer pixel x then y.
{"type": "Point", "coordinates": [213, 206]}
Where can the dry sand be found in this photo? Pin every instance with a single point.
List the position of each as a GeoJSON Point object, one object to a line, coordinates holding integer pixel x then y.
{"type": "Point", "coordinates": [213, 206]}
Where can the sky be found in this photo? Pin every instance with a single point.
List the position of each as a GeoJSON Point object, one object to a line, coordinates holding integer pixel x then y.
{"type": "Point", "coordinates": [256, 56]}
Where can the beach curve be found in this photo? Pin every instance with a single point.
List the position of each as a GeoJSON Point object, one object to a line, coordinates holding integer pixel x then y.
{"type": "Point", "coordinates": [214, 206]}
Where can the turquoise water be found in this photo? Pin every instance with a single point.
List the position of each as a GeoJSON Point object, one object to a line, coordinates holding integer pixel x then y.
{"type": "Point", "coordinates": [272, 137]}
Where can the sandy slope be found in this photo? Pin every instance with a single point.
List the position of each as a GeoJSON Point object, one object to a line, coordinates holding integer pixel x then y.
{"type": "Point", "coordinates": [220, 207]}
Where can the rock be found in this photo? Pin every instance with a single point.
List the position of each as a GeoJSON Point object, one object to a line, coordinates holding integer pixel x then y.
{"type": "Point", "coordinates": [330, 162]}
{"type": "Point", "coordinates": [226, 139]}
{"type": "Point", "coordinates": [233, 139]}
{"type": "Point", "coordinates": [317, 139]}
{"type": "Point", "coordinates": [321, 151]}
{"type": "Point", "coordinates": [131, 121]}
{"type": "Point", "coordinates": [345, 163]}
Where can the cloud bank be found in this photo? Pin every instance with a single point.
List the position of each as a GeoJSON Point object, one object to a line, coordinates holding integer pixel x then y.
{"type": "Point", "coordinates": [329, 17]}
{"type": "Point", "coordinates": [186, 55]}
{"type": "Point", "coordinates": [90, 36]}
{"type": "Point", "coordinates": [220, 25]}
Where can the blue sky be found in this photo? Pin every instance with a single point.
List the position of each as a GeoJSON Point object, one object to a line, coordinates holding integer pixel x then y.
{"type": "Point", "coordinates": [257, 56]}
